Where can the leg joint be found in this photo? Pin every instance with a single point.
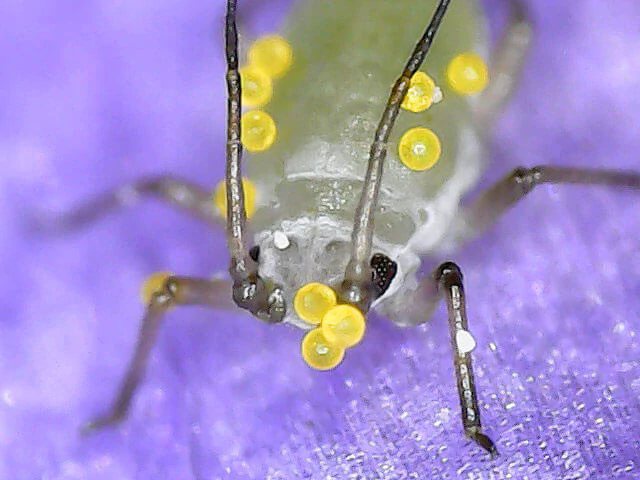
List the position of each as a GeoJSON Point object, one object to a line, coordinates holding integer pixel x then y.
{"type": "Point", "coordinates": [527, 178]}
{"type": "Point", "coordinates": [446, 268]}
{"type": "Point", "coordinates": [165, 296]}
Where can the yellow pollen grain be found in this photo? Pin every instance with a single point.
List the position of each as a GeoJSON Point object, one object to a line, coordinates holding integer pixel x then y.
{"type": "Point", "coordinates": [467, 74]}
{"type": "Point", "coordinates": [420, 95]}
{"type": "Point", "coordinates": [272, 54]}
{"type": "Point", "coordinates": [313, 300]}
{"type": "Point", "coordinates": [258, 131]}
{"type": "Point", "coordinates": [257, 87]}
{"type": "Point", "coordinates": [419, 149]}
{"type": "Point", "coordinates": [343, 325]}
{"type": "Point", "coordinates": [319, 353]}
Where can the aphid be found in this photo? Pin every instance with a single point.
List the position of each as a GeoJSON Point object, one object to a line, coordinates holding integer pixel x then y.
{"type": "Point", "coordinates": [317, 261]}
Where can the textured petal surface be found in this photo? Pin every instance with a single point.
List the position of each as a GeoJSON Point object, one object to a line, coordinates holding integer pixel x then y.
{"type": "Point", "coordinates": [98, 92]}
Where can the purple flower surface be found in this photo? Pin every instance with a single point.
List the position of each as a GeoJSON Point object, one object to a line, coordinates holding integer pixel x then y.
{"type": "Point", "coordinates": [98, 92]}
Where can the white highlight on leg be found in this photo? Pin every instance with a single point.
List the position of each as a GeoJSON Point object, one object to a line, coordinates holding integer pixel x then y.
{"type": "Point", "coordinates": [465, 341]}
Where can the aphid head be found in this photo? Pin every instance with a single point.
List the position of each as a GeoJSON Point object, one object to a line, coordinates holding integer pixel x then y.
{"type": "Point", "coordinates": [300, 252]}
{"type": "Point", "coordinates": [331, 282]}
{"type": "Point", "coordinates": [308, 261]}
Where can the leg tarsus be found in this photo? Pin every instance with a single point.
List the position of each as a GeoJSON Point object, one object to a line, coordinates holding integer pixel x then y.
{"type": "Point", "coordinates": [484, 441]}
{"type": "Point", "coordinates": [446, 283]}
{"type": "Point", "coordinates": [100, 423]}
{"type": "Point", "coordinates": [174, 291]}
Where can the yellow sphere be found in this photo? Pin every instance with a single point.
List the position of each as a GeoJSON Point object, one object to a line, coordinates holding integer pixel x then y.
{"type": "Point", "coordinates": [220, 197]}
{"type": "Point", "coordinates": [256, 87]}
{"type": "Point", "coordinates": [312, 301]}
{"type": "Point", "coordinates": [467, 74]}
{"type": "Point", "coordinates": [419, 97]}
{"type": "Point", "coordinates": [153, 283]}
{"type": "Point", "coordinates": [272, 54]}
{"type": "Point", "coordinates": [419, 149]}
{"type": "Point", "coordinates": [258, 131]}
{"type": "Point", "coordinates": [319, 353]}
{"type": "Point", "coordinates": [343, 325]}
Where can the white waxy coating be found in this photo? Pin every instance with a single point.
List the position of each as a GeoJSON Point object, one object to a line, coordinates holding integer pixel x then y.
{"type": "Point", "coordinates": [437, 95]}
{"type": "Point", "coordinates": [465, 341]}
{"type": "Point", "coordinates": [280, 240]}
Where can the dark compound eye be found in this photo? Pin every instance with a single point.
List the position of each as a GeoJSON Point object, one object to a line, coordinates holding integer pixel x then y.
{"type": "Point", "coordinates": [383, 270]}
{"type": "Point", "coordinates": [254, 253]}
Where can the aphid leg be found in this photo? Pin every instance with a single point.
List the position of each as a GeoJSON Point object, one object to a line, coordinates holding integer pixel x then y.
{"type": "Point", "coordinates": [174, 291]}
{"type": "Point", "coordinates": [490, 206]}
{"type": "Point", "coordinates": [446, 281]}
{"type": "Point", "coordinates": [505, 66]}
{"type": "Point", "coordinates": [176, 192]}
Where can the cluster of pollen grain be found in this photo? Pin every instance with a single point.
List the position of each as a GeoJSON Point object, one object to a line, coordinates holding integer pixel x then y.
{"type": "Point", "coordinates": [467, 73]}
{"type": "Point", "coordinates": [419, 149]}
{"type": "Point", "coordinates": [339, 326]}
{"type": "Point", "coordinates": [422, 93]}
{"type": "Point", "coordinates": [269, 58]}
{"type": "Point", "coordinates": [220, 197]}
{"type": "Point", "coordinates": [153, 284]}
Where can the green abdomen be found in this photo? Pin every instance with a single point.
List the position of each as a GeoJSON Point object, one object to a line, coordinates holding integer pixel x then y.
{"type": "Point", "coordinates": [347, 55]}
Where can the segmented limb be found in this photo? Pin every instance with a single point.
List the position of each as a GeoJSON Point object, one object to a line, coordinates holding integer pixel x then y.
{"type": "Point", "coordinates": [357, 279]}
{"type": "Point", "coordinates": [505, 67]}
{"type": "Point", "coordinates": [446, 282]}
{"type": "Point", "coordinates": [176, 192]}
{"type": "Point", "coordinates": [174, 291]}
{"type": "Point", "coordinates": [492, 204]}
{"type": "Point", "coordinates": [242, 265]}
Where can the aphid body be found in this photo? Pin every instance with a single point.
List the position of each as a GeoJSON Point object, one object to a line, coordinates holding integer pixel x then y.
{"type": "Point", "coordinates": [344, 194]}
{"type": "Point", "coordinates": [327, 108]}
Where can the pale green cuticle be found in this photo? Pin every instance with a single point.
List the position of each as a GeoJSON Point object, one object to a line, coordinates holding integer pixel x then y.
{"type": "Point", "coordinates": [322, 98]}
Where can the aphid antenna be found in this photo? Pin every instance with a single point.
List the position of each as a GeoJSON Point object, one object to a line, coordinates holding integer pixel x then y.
{"type": "Point", "coordinates": [250, 292]}
{"type": "Point", "coordinates": [357, 280]}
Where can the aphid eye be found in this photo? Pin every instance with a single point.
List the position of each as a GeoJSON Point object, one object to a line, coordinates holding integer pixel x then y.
{"type": "Point", "coordinates": [383, 271]}
{"type": "Point", "coordinates": [254, 253]}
